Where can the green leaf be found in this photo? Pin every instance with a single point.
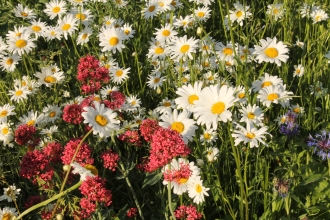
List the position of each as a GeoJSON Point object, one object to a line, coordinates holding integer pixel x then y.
{"type": "Point", "coordinates": [311, 179]}
{"type": "Point", "coordinates": [152, 179]}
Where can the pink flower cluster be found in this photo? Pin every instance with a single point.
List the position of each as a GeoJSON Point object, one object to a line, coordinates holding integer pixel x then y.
{"type": "Point", "coordinates": [72, 114]}
{"type": "Point", "coordinates": [26, 135]}
{"type": "Point", "coordinates": [91, 74]}
{"type": "Point", "coordinates": [116, 100]}
{"type": "Point", "coordinates": [147, 128]}
{"type": "Point", "coordinates": [187, 213]}
{"type": "Point", "coordinates": [165, 145]}
{"type": "Point", "coordinates": [132, 137]}
{"type": "Point", "coordinates": [83, 156]}
{"type": "Point", "coordinates": [110, 160]}
{"type": "Point", "coordinates": [132, 213]}
{"type": "Point", "coordinates": [176, 175]}
{"type": "Point", "coordinates": [93, 188]}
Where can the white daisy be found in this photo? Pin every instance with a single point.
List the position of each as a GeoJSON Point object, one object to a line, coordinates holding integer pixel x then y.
{"type": "Point", "coordinates": [24, 12]}
{"type": "Point", "coordinates": [118, 75]}
{"type": "Point", "coordinates": [181, 47]}
{"type": "Point", "coordinates": [265, 81]}
{"type": "Point", "coordinates": [297, 109]}
{"type": "Point", "coordinates": [67, 25]}
{"type": "Point", "coordinates": [271, 51]}
{"type": "Point", "coordinates": [276, 11]}
{"type": "Point", "coordinates": [111, 39]}
{"type": "Point", "coordinates": [55, 8]}
{"type": "Point", "coordinates": [181, 123]}
{"type": "Point", "coordinates": [213, 104]}
{"type": "Point", "coordinates": [82, 171]}
{"type": "Point", "coordinates": [132, 103]}
{"type": "Point", "coordinates": [6, 134]}
{"type": "Point", "coordinates": [151, 9]}
{"type": "Point", "coordinates": [196, 190]}
{"type": "Point", "coordinates": [240, 13]}
{"type": "Point", "coordinates": [250, 135]}
{"type": "Point", "coordinates": [38, 28]}
{"type": "Point", "coordinates": [9, 62]}
{"type": "Point", "coordinates": [274, 94]}
{"type": "Point", "coordinates": [83, 36]}
{"type": "Point", "coordinates": [10, 193]}
{"type": "Point", "coordinates": [5, 111]}
{"type": "Point", "coordinates": [202, 13]}
{"type": "Point", "coordinates": [319, 15]}
{"type": "Point", "coordinates": [83, 16]}
{"type": "Point", "coordinates": [21, 44]}
{"type": "Point", "coordinates": [51, 112]}
{"type": "Point", "coordinates": [209, 135]}
{"type": "Point", "coordinates": [102, 119]}
{"type": "Point", "coordinates": [165, 106]}
{"type": "Point", "coordinates": [19, 93]}
{"type": "Point", "coordinates": [188, 95]}
{"type": "Point", "coordinates": [32, 118]}
{"type": "Point", "coordinates": [155, 80]}
{"type": "Point", "coordinates": [8, 213]}
{"type": "Point", "coordinates": [48, 77]}
{"type": "Point", "coordinates": [252, 114]}
{"type": "Point", "coordinates": [212, 154]}
{"type": "Point", "coordinates": [165, 33]}
{"type": "Point", "coordinates": [128, 30]}
{"type": "Point", "coordinates": [298, 70]}
{"type": "Point", "coordinates": [52, 33]}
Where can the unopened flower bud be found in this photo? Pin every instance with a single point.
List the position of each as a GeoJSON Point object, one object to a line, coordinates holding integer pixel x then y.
{"type": "Point", "coordinates": [66, 167]}
{"type": "Point", "coordinates": [133, 54]}
{"type": "Point", "coordinates": [158, 90]}
{"type": "Point", "coordinates": [199, 31]}
{"type": "Point", "coordinates": [59, 217]}
{"type": "Point", "coordinates": [200, 162]}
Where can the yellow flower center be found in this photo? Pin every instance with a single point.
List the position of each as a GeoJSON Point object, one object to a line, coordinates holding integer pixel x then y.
{"type": "Point", "coordinates": [52, 114]}
{"type": "Point", "coordinates": [107, 22]}
{"type": "Point", "coordinates": [84, 36]}
{"type": "Point", "coordinates": [241, 95]}
{"type": "Point", "coordinates": [184, 23]}
{"type": "Point", "coordinates": [183, 180]}
{"type": "Point", "coordinates": [207, 136]}
{"type": "Point", "coordinates": [166, 33]}
{"type": "Point", "coordinates": [91, 168]}
{"type": "Point", "coordinates": [21, 43]}
{"type": "Point", "coordinates": [239, 14]}
{"type": "Point", "coordinates": [218, 108]}
{"type": "Point", "coordinates": [228, 51]}
{"type": "Point", "coordinates": [192, 98]}
{"type": "Point", "coordinates": [275, 11]}
{"type": "Point", "coordinates": [101, 120]}
{"type": "Point", "coordinates": [159, 50]}
{"type": "Point", "coordinates": [56, 9]}
{"type": "Point", "coordinates": [18, 34]}
{"type": "Point", "coordinates": [24, 14]}
{"type": "Point", "coordinates": [161, 4]}
{"type": "Point", "coordinates": [30, 123]}
{"type": "Point", "coordinates": [200, 14]}
{"type": "Point", "coordinates": [5, 130]}
{"type": "Point", "coordinates": [198, 188]}
{"type": "Point", "coordinates": [267, 83]}
{"type": "Point", "coordinates": [184, 48]}
{"type": "Point", "coordinates": [156, 80]}
{"type": "Point", "coordinates": [9, 61]}
{"type": "Point", "coordinates": [271, 52]}
{"type": "Point", "coordinates": [66, 27]}
{"type": "Point", "coordinates": [167, 104]}
{"type": "Point", "coordinates": [119, 73]}
{"type": "Point", "coordinates": [53, 33]}
{"type": "Point", "coordinates": [151, 8]}
{"type": "Point", "coordinates": [36, 28]}
{"type": "Point", "coordinates": [296, 110]}
{"type": "Point", "coordinates": [107, 66]}
{"type": "Point", "coordinates": [317, 18]}
{"type": "Point", "coordinates": [251, 115]}
{"type": "Point", "coordinates": [210, 78]}
{"type": "Point", "coordinates": [205, 47]}
{"type": "Point", "coordinates": [298, 71]}
{"type": "Point", "coordinates": [50, 79]}
{"type": "Point", "coordinates": [178, 126]}
{"type": "Point", "coordinates": [97, 98]}
{"type": "Point", "coordinates": [127, 32]}
{"type": "Point", "coordinates": [173, 3]}
{"type": "Point", "coordinates": [250, 135]}
{"type": "Point", "coordinates": [81, 16]}
{"type": "Point", "coordinates": [272, 97]}
{"type": "Point", "coordinates": [3, 113]}
{"type": "Point", "coordinates": [283, 119]}
{"type": "Point", "coordinates": [18, 92]}
{"type": "Point", "coordinates": [205, 64]}
{"type": "Point", "coordinates": [113, 41]}
{"type": "Point", "coordinates": [7, 216]}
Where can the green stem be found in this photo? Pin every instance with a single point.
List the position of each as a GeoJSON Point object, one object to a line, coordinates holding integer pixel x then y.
{"type": "Point", "coordinates": [50, 200]}
{"type": "Point", "coordinates": [169, 194]}
{"type": "Point", "coordinates": [135, 197]}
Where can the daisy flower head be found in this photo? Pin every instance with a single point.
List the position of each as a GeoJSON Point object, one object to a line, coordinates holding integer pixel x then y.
{"type": "Point", "coordinates": [210, 77]}
{"type": "Point", "coordinates": [227, 51]}
{"type": "Point", "coordinates": [252, 114]}
{"type": "Point", "coordinates": [8, 213]}
{"type": "Point", "coordinates": [82, 15]}
{"type": "Point", "coordinates": [83, 36]}
{"type": "Point", "coordinates": [5, 111]}
{"type": "Point", "coordinates": [188, 95]}
{"type": "Point", "coordinates": [196, 190]}
{"type": "Point", "coordinates": [203, 2]}
{"type": "Point", "coordinates": [241, 94]}
{"type": "Point", "coordinates": [32, 119]}
{"type": "Point", "coordinates": [307, 9]}
{"type": "Point", "coordinates": [240, 13]}
{"type": "Point", "coordinates": [165, 106]}
{"type": "Point", "coordinates": [158, 51]}
{"type": "Point", "coordinates": [181, 47]}
{"type": "Point", "coordinates": [52, 33]}
{"type": "Point", "coordinates": [164, 5]}
{"type": "Point", "coordinates": [165, 33]}
{"type": "Point", "coordinates": [119, 75]}
{"type": "Point", "coordinates": [10, 193]}
{"type": "Point", "coordinates": [202, 13]}
{"type": "Point", "coordinates": [111, 39]}
{"type": "Point", "coordinates": [276, 11]}
{"type": "Point", "coordinates": [78, 2]}
{"type": "Point", "coordinates": [300, 44]}
{"type": "Point", "coordinates": [48, 78]}
{"type": "Point", "coordinates": [319, 15]}
{"type": "Point", "coordinates": [21, 44]}
{"type": "Point", "coordinates": [17, 32]}
{"type": "Point", "coordinates": [52, 112]}
{"type": "Point", "coordinates": [178, 173]}
{"type": "Point", "coordinates": [265, 81]}
{"type": "Point", "coordinates": [55, 8]}
{"type": "Point", "coordinates": [19, 93]}
{"type": "Point", "coordinates": [6, 134]}
{"type": "Point", "coordinates": [213, 105]}
{"type": "Point", "coordinates": [152, 9]}
{"type": "Point", "coordinates": [24, 12]}
{"type": "Point", "coordinates": [186, 22]}
{"type": "Point", "coordinates": [128, 30]}
{"type": "Point", "coordinates": [9, 62]}
{"type": "Point", "coordinates": [120, 3]}
{"type": "Point", "coordinates": [298, 70]}
{"type": "Point", "coordinates": [67, 25]}
{"type": "Point", "coordinates": [212, 154]}
{"type": "Point", "coordinates": [275, 94]}
{"type": "Point", "coordinates": [82, 171]}
{"type": "Point", "coordinates": [155, 80]}
{"type": "Point", "coordinates": [209, 135]}
{"type": "Point", "coordinates": [132, 103]}
{"type": "Point", "coordinates": [102, 119]}
{"type": "Point", "coordinates": [180, 122]}
{"type": "Point", "coordinates": [250, 135]}
{"type": "Point", "coordinates": [271, 51]}
{"type": "Point", "coordinates": [38, 28]}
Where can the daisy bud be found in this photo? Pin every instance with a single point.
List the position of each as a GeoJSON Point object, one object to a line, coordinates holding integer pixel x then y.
{"type": "Point", "coordinates": [200, 162]}
{"type": "Point", "coordinates": [133, 54]}
{"type": "Point", "coordinates": [66, 167]}
{"type": "Point", "coordinates": [59, 217]}
{"type": "Point", "coordinates": [158, 90]}
{"type": "Point", "coordinates": [199, 31]}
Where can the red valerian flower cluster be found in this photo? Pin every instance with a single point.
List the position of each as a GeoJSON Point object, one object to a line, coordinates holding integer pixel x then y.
{"type": "Point", "coordinates": [83, 156]}
{"type": "Point", "coordinates": [187, 213]}
{"type": "Point", "coordinates": [110, 160]}
{"type": "Point", "coordinates": [72, 114]}
{"type": "Point", "coordinates": [147, 128]}
{"type": "Point", "coordinates": [165, 145]}
{"type": "Point", "coordinates": [115, 100]}
{"type": "Point", "coordinates": [132, 213]}
{"type": "Point", "coordinates": [131, 137]}
{"type": "Point", "coordinates": [91, 74]}
{"type": "Point", "coordinates": [93, 188]}
{"type": "Point", "coordinates": [26, 135]}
